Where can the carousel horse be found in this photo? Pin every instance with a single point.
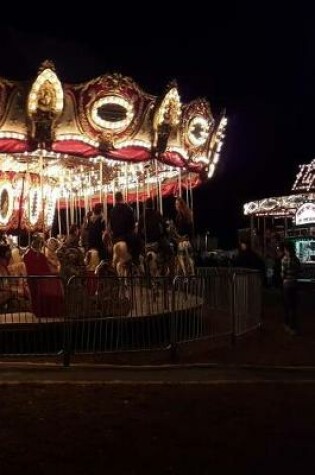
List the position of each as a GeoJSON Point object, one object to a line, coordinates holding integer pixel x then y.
{"type": "Point", "coordinates": [92, 260]}
{"type": "Point", "coordinates": [124, 266]}
{"type": "Point", "coordinates": [159, 263]}
{"type": "Point", "coordinates": [186, 264]}
{"type": "Point", "coordinates": [151, 259]}
{"type": "Point", "coordinates": [72, 262]}
{"type": "Point", "coordinates": [121, 258]}
{"type": "Point", "coordinates": [184, 256]}
{"type": "Point", "coordinates": [111, 299]}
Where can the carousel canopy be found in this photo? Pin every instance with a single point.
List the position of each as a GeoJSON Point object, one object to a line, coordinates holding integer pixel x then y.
{"type": "Point", "coordinates": [85, 141]}
{"type": "Point", "coordinates": [110, 120]}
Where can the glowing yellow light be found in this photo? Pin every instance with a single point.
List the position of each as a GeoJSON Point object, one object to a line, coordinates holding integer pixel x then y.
{"type": "Point", "coordinates": [51, 77]}
{"type": "Point", "coordinates": [133, 143]}
{"type": "Point", "coordinates": [198, 130]}
{"type": "Point", "coordinates": [211, 170]}
{"type": "Point", "coordinates": [7, 202]}
{"type": "Point", "coordinates": [118, 125]}
{"type": "Point", "coordinates": [170, 111]}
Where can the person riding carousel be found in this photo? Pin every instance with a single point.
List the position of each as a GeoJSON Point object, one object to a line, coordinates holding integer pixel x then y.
{"type": "Point", "coordinates": [96, 229]}
{"type": "Point", "coordinates": [122, 226]}
{"type": "Point", "coordinates": [152, 231]}
{"type": "Point", "coordinates": [183, 236]}
{"type": "Point", "coordinates": [183, 220]}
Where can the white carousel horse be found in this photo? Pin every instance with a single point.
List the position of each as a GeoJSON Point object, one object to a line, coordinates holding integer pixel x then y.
{"type": "Point", "coordinates": [151, 259]}
{"type": "Point", "coordinates": [121, 258]}
{"type": "Point", "coordinates": [186, 264]}
{"type": "Point", "coordinates": [184, 261]}
{"type": "Point", "coordinates": [92, 260]}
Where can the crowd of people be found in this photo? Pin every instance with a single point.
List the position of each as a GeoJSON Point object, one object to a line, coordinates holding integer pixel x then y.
{"type": "Point", "coordinates": [169, 242]}
{"type": "Point", "coordinates": [96, 241]}
{"type": "Point", "coordinates": [283, 272]}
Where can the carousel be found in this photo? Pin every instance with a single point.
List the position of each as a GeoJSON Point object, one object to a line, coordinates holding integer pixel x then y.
{"type": "Point", "coordinates": [291, 216]}
{"type": "Point", "coordinates": [69, 146]}
{"type": "Point", "coordinates": [65, 147]}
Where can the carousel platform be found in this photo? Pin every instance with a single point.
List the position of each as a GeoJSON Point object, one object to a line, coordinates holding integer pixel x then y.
{"type": "Point", "coordinates": [138, 318]}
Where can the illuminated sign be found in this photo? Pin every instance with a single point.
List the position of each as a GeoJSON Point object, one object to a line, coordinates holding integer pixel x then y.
{"type": "Point", "coordinates": [305, 214]}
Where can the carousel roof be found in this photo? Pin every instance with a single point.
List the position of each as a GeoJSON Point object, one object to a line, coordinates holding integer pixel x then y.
{"type": "Point", "coordinates": [108, 119]}
{"type": "Point", "coordinates": [278, 206]}
{"type": "Point", "coordinates": [287, 205]}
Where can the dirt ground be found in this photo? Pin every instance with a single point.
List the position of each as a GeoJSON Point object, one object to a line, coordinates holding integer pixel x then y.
{"type": "Point", "coordinates": [254, 429]}
{"type": "Point", "coordinates": [208, 427]}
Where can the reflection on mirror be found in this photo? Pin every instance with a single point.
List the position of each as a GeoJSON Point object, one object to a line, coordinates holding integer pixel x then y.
{"type": "Point", "coordinates": [112, 112]}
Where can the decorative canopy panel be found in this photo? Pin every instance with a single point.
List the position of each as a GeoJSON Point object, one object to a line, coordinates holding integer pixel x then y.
{"type": "Point", "coordinates": [26, 200]}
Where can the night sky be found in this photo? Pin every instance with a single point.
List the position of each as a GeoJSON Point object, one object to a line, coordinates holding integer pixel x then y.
{"type": "Point", "coordinates": [257, 63]}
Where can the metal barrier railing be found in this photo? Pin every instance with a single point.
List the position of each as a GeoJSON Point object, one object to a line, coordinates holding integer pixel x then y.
{"type": "Point", "coordinates": [43, 315]}
{"type": "Point", "coordinates": [247, 301]}
{"type": "Point", "coordinates": [32, 315]}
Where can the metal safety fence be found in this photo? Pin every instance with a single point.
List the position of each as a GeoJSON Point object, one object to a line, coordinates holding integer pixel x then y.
{"type": "Point", "coordinates": [43, 315]}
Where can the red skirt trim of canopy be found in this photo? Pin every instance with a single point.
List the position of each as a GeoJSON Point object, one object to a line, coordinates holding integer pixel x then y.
{"type": "Point", "coordinates": [167, 189]}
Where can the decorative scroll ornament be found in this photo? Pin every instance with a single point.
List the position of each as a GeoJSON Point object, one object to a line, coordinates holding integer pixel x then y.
{"type": "Point", "coordinates": [215, 145]}
{"type": "Point", "coordinates": [111, 103]}
{"type": "Point", "coordinates": [198, 131]}
{"type": "Point", "coordinates": [6, 202]}
{"type": "Point", "coordinates": [167, 117]}
{"type": "Point", "coordinates": [46, 94]}
{"type": "Point", "coordinates": [198, 124]}
{"type": "Point", "coordinates": [170, 110]}
{"type": "Point", "coordinates": [45, 104]}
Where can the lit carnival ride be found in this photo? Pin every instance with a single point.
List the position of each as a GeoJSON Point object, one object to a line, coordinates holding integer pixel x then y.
{"type": "Point", "coordinates": [76, 144]}
{"type": "Point", "coordinates": [291, 216]}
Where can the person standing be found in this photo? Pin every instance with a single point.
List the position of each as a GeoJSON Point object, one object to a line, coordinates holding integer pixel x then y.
{"type": "Point", "coordinates": [277, 278]}
{"type": "Point", "coordinates": [290, 268]}
{"type": "Point", "coordinates": [248, 258]}
{"type": "Point", "coordinates": [122, 226]}
{"type": "Point", "coordinates": [96, 229]}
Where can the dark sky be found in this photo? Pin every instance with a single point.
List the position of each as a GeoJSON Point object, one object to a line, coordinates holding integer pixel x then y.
{"type": "Point", "coordinates": [257, 63]}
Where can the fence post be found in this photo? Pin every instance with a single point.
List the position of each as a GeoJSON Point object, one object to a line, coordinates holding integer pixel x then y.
{"type": "Point", "coordinates": [233, 308]}
{"type": "Point", "coordinates": [66, 347]}
{"type": "Point", "coordinates": [67, 326]}
{"type": "Point", "coordinates": [173, 324]}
